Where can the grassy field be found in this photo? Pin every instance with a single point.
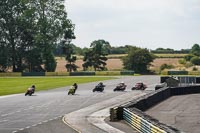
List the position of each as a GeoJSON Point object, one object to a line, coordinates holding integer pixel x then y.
{"type": "Point", "coordinates": [170, 55]}
{"type": "Point", "coordinates": [20, 85]}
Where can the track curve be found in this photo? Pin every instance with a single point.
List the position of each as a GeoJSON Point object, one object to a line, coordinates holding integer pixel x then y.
{"type": "Point", "coordinates": [19, 113]}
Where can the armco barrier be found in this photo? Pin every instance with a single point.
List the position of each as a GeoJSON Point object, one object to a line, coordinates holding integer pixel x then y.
{"type": "Point", "coordinates": [33, 73]}
{"type": "Point", "coordinates": [83, 73]}
{"type": "Point", "coordinates": [140, 124]}
{"type": "Point", "coordinates": [80, 73]}
{"type": "Point", "coordinates": [133, 115]}
{"type": "Point", "coordinates": [107, 73]}
{"type": "Point", "coordinates": [56, 73]}
{"type": "Point", "coordinates": [183, 79]}
{"type": "Point", "coordinates": [177, 72]}
{"type": "Point", "coordinates": [127, 72]}
{"type": "Point", "coordinates": [13, 74]}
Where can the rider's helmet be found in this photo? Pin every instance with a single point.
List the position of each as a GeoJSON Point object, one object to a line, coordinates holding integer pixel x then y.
{"type": "Point", "coordinates": [122, 82]}
{"type": "Point", "coordinates": [33, 86]}
{"type": "Point", "coordinates": [101, 83]}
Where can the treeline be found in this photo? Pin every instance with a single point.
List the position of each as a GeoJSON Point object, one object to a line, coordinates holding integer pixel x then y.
{"type": "Point", "coordinates": [81, 51]}
{"type": "Point", "coordinates": [122, 50]}
{"type": "Point", "coordinates": [170, 51]}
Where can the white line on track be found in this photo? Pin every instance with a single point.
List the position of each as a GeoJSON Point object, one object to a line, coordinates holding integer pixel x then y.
{"type": "Point", "coordinates": [45, 121]}
{"type": "Point", "coordinates": [9, 96]}
{"type": "Point", "coordinates": [3, 121]}
{"type": "Point", "coordinates": [34, 125]}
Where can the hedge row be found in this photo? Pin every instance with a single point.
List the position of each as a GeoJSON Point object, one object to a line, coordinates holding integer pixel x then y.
{"type": "Point", "coordinates": [82, 73]}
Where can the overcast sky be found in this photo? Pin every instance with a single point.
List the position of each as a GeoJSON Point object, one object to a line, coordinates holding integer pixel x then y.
{"type": "Point", "coordinates": [144, 23]}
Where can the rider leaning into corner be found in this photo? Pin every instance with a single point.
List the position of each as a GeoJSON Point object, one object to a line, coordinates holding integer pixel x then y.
{"type": "Point", "coordinates": [75, 86]}
{"type": "Point", "coordinates": [32, 88]}
{"type": "Point", "coordinates": [122, 84]}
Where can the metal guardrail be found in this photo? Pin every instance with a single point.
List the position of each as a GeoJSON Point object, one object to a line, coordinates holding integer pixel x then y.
{"type": "Point", "coordinates": [140, 124]}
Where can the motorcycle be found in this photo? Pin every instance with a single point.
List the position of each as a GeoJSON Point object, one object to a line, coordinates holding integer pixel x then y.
{"type": "Point", "coordinates": [29, 92]}
{"type": "Point", "coordinates": [99, 88]}
{"type": "Point", "coordinates": [120, 87]}
{"type": "Point", "coordinates": [139, 86]}
{"type": "Point", "coordinates": [72, 90]}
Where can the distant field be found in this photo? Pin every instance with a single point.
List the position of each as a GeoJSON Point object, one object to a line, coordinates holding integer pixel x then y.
{"type": "Point", "coordinates": [170, 55]}
{"type": "Point", "coordinates": [114, 62]}
{"type": "Point", "coordinates": [19, 85]}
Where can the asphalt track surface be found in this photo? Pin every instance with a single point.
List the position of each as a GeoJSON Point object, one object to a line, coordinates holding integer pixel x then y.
{"type": "Point", "coordinates": [43, 111]}
{"type": "Point", "coordinates": [182, 112]}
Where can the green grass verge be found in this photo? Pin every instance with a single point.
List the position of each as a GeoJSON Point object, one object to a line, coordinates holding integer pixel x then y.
{"type": "Point", "coordinates": [20, 84]}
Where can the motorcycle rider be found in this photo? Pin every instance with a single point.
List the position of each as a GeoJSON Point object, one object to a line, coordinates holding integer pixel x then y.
{"type": "Point", "coordinates": [30, 90]}
{"type": "Point", "coordinates": [75, 86]}
{"type": "Point", "coordinates": [100, 85]}
{"type": "Point", "coordinates": [73, 89]}
{"type": "Point", "coordinates": [122, 84]}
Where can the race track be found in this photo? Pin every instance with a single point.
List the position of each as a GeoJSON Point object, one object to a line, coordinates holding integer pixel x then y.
{"type": "Point", "coordinates": [21, 113]}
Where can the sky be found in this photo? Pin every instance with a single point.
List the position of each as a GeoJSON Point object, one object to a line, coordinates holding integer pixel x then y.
{"type": "Point", "coordinates": [143, 23]}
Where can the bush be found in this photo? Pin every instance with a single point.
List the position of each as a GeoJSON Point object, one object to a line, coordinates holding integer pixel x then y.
{"type": "Point", "coordinates": [188, 57]}
{"type": "Point", "coordinates": [188, 64]}
{"type": "Point", "coordinates": [182, 61]}
{"type": "Point", "coordinates": [195, 60]}
{"type": "Point", "coordinates": [194, 69]}
{"type": "Point", "coordinates": [166, 66]}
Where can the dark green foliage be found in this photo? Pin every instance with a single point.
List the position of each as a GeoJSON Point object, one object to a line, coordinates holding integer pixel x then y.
{"type": "Point", "coordinates": [96, 56]}
{"type": "Point", "coordinates": [195, 50]}
{"type": "Point", "coordinates": [194, 69]}
{"type": "Point", "coordinates": [50, 64]}
{"type": "Point", "coordinates": [188, 57]}
{"type": "Point", "coordinates": [68, 50]}
{"type": "Point", "coordinates": [166, 66]}
{"type": "Point", "coordinates": [138, 60]}
{"type": "Point", "coordinates": [170, 51]}
{"type": "Point", "coordinates": [195, 60]}
{"type": "Point", "coordinates": [4, 58]}
{"type": "Point", "coordinates": [29, 31]}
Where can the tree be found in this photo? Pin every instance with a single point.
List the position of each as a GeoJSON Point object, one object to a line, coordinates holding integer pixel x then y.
{"type": "Point", "coordinates": [4, 58]}
{"type": "Point", "coordinates": [195, 50]}
{"type": "Point", "coordinates": [96, 56]}
{"type": "Point", "coordinates": [10, 13]}
{"type": "Point", "coordinates": [138, 60]}
{"type": "Point", "coordinates": [52, 24]}
{"type": "Point", "coordinates": [68, 50]}
{"type": "Point", "coordinates": [32, 26]}
{"type": "Point", "coordinates": [195, 60]}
